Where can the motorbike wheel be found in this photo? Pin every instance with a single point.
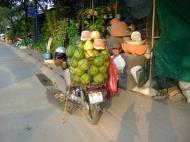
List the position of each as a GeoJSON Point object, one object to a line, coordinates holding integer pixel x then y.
{"type": "Point", "coordinates": [93, 113]}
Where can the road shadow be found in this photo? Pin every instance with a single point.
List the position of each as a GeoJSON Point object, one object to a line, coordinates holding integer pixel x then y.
{"type": "Point", "coordinates": [161, 128]}
{"type": "Point", "coordinates": [13, 69]}
{"type": "Point", "coordinates": [128, 123]}
{"type": "Point", "coordinates": [50, 95]}
{"type": "Point", "coordinates": [147, 121]}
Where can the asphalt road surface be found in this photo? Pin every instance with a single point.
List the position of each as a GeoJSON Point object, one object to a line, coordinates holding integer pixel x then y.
{"type": "Point", "coordinates": [28, 115]}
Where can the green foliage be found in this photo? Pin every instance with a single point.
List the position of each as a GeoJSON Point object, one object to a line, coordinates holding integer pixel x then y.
{"type": "Point", "coordinates": [61, 34]}
{"type": "Point", "coordinates": [98, 25]}
{"type": "Point", "coordinates": [41, 43]}
{"type": "Point", "coordinates": [7, 16]}
{"type": "Point", "coordinates": [73, 31]}
{"type": "Point", "coordinates": [25, 42]}
{"type": "Point", "coordinates": [51, 22]}
{"type": "Point", "coordinates": [19, 26]}
{"type": "Point", "coordinates": [62, 31]}
{"type": "Point", "coordinates": [7, 13]}
{"type": "Point", "coordinates": [9, 35]}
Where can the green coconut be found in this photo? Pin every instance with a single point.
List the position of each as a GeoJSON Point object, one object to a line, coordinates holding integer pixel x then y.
{"type": "Point", "coordinates": [93, 70]}
{"type": "Point", "coordinates": [84, 64]}
{"type": "Point", "coordinates": [85, 79]}
{"type": "Point", "coordinates": [98, 78]}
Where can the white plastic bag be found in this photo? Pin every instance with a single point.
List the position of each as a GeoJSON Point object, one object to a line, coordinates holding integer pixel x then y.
{"type": "Point", "coordinates": [185, 87]}
{"type": "Point", "coordinates": [119, 62]}
{"type": "Point", "coordinates": [133, 72]}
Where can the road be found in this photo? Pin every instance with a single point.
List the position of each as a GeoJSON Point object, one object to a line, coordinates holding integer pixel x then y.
{"type": "Point", "coordinates": [28, 115]}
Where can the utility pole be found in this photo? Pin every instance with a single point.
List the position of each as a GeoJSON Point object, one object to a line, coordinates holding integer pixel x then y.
{"type": "Point", "coordinates": [36, 22]}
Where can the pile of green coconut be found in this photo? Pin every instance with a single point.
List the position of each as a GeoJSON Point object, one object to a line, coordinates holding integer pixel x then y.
{"type": "Point", "coordinates": [88, 60]}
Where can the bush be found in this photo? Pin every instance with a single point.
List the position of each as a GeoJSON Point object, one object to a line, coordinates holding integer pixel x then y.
{"type": "Point", "coordinates": [61, 33]}
{"type": "Point", "coordinates": [9, 35]}
{"type": "Point", "coordinates": [25, 42]}
{"type": "Point", "coordinates": [39, 45]}
{"type": "Point", "coordinates": [73, 32]}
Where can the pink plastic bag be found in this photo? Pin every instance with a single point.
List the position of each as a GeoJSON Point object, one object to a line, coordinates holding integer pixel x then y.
{"type": "Point", "coordinates": [113, 78]}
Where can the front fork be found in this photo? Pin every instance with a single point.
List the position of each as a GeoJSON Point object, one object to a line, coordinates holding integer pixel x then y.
{"type": "Point", "coordinates": [86, 103]}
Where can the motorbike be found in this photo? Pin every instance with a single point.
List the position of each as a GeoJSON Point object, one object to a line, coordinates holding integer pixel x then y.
{"type": "Point", "coordinates": [90, 98]}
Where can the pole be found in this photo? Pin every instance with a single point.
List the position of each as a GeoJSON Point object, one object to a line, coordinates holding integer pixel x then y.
{"type": "Point", "coordinates": [116, 7]}
{"type": "Point", "coordinates": [93, 10]}
{"type": "Point", "coordinates": [82, 21]}
{"type": "Point", "coordinates": [153, 23]}
{"type": "Point", "coordinates": [152, 42]}
{"type": "Point", "coordinates": [36, 23]}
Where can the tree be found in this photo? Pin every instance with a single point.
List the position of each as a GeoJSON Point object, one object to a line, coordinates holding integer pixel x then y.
{"type": "Point", "coordinates": [5, 3]}
{"type": "Point", "coordinates": [23, 5]}
{"type": "Point", "coordinates": [8, 16]}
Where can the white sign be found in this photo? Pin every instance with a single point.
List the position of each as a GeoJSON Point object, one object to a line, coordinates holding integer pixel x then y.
{"type": "Point", "coordinates": [95, 97]}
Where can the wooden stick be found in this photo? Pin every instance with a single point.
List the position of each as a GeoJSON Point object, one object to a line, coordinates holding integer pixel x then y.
{"type": "Point", "coordinates": [93, 9]}
{"type": "Point", "coordinates": [152, 43]}
{"type": "Point", "coordinates": [116, 8]}
{"type": "Point", "coordinates": [153, 23]}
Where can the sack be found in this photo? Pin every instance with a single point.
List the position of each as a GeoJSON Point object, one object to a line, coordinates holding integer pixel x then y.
{"type": "Point", "coordinates": [185, 87]}
{"type": "Point", "coordinates": [143, 73]}
{"type": "Point", "coordinates": [113, 78]}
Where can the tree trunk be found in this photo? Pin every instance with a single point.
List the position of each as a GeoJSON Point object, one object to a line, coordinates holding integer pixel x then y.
{"type": "Point", "coordinates": [26, 21]}
{"type": "Point", "coordinates": [25, 8]}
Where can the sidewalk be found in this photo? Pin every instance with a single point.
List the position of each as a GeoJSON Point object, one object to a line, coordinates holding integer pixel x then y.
{"type": "Point", "coordinates": [131, 117]}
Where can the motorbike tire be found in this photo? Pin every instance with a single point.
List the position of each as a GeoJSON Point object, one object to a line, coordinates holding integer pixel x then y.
{"type": "Point", "coordinates": [93, 113]}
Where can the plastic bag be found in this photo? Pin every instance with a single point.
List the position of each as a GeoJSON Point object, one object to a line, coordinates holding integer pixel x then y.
{"type": "Point", "coordinates": [113, 78]}
{"type": "Point", "coordinates": [119, 62]}
{"type": "Point", "coordinates": [185, 87]}
{"type": "Point", "coordinates": [134, 73]}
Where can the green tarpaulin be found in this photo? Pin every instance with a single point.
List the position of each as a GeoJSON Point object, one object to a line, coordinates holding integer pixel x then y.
{"type": "Point", "coordinates": [172, 52]}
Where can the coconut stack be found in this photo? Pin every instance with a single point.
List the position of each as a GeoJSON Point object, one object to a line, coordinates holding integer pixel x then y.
{"type": "Point", "coordinates": [88, 59]}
